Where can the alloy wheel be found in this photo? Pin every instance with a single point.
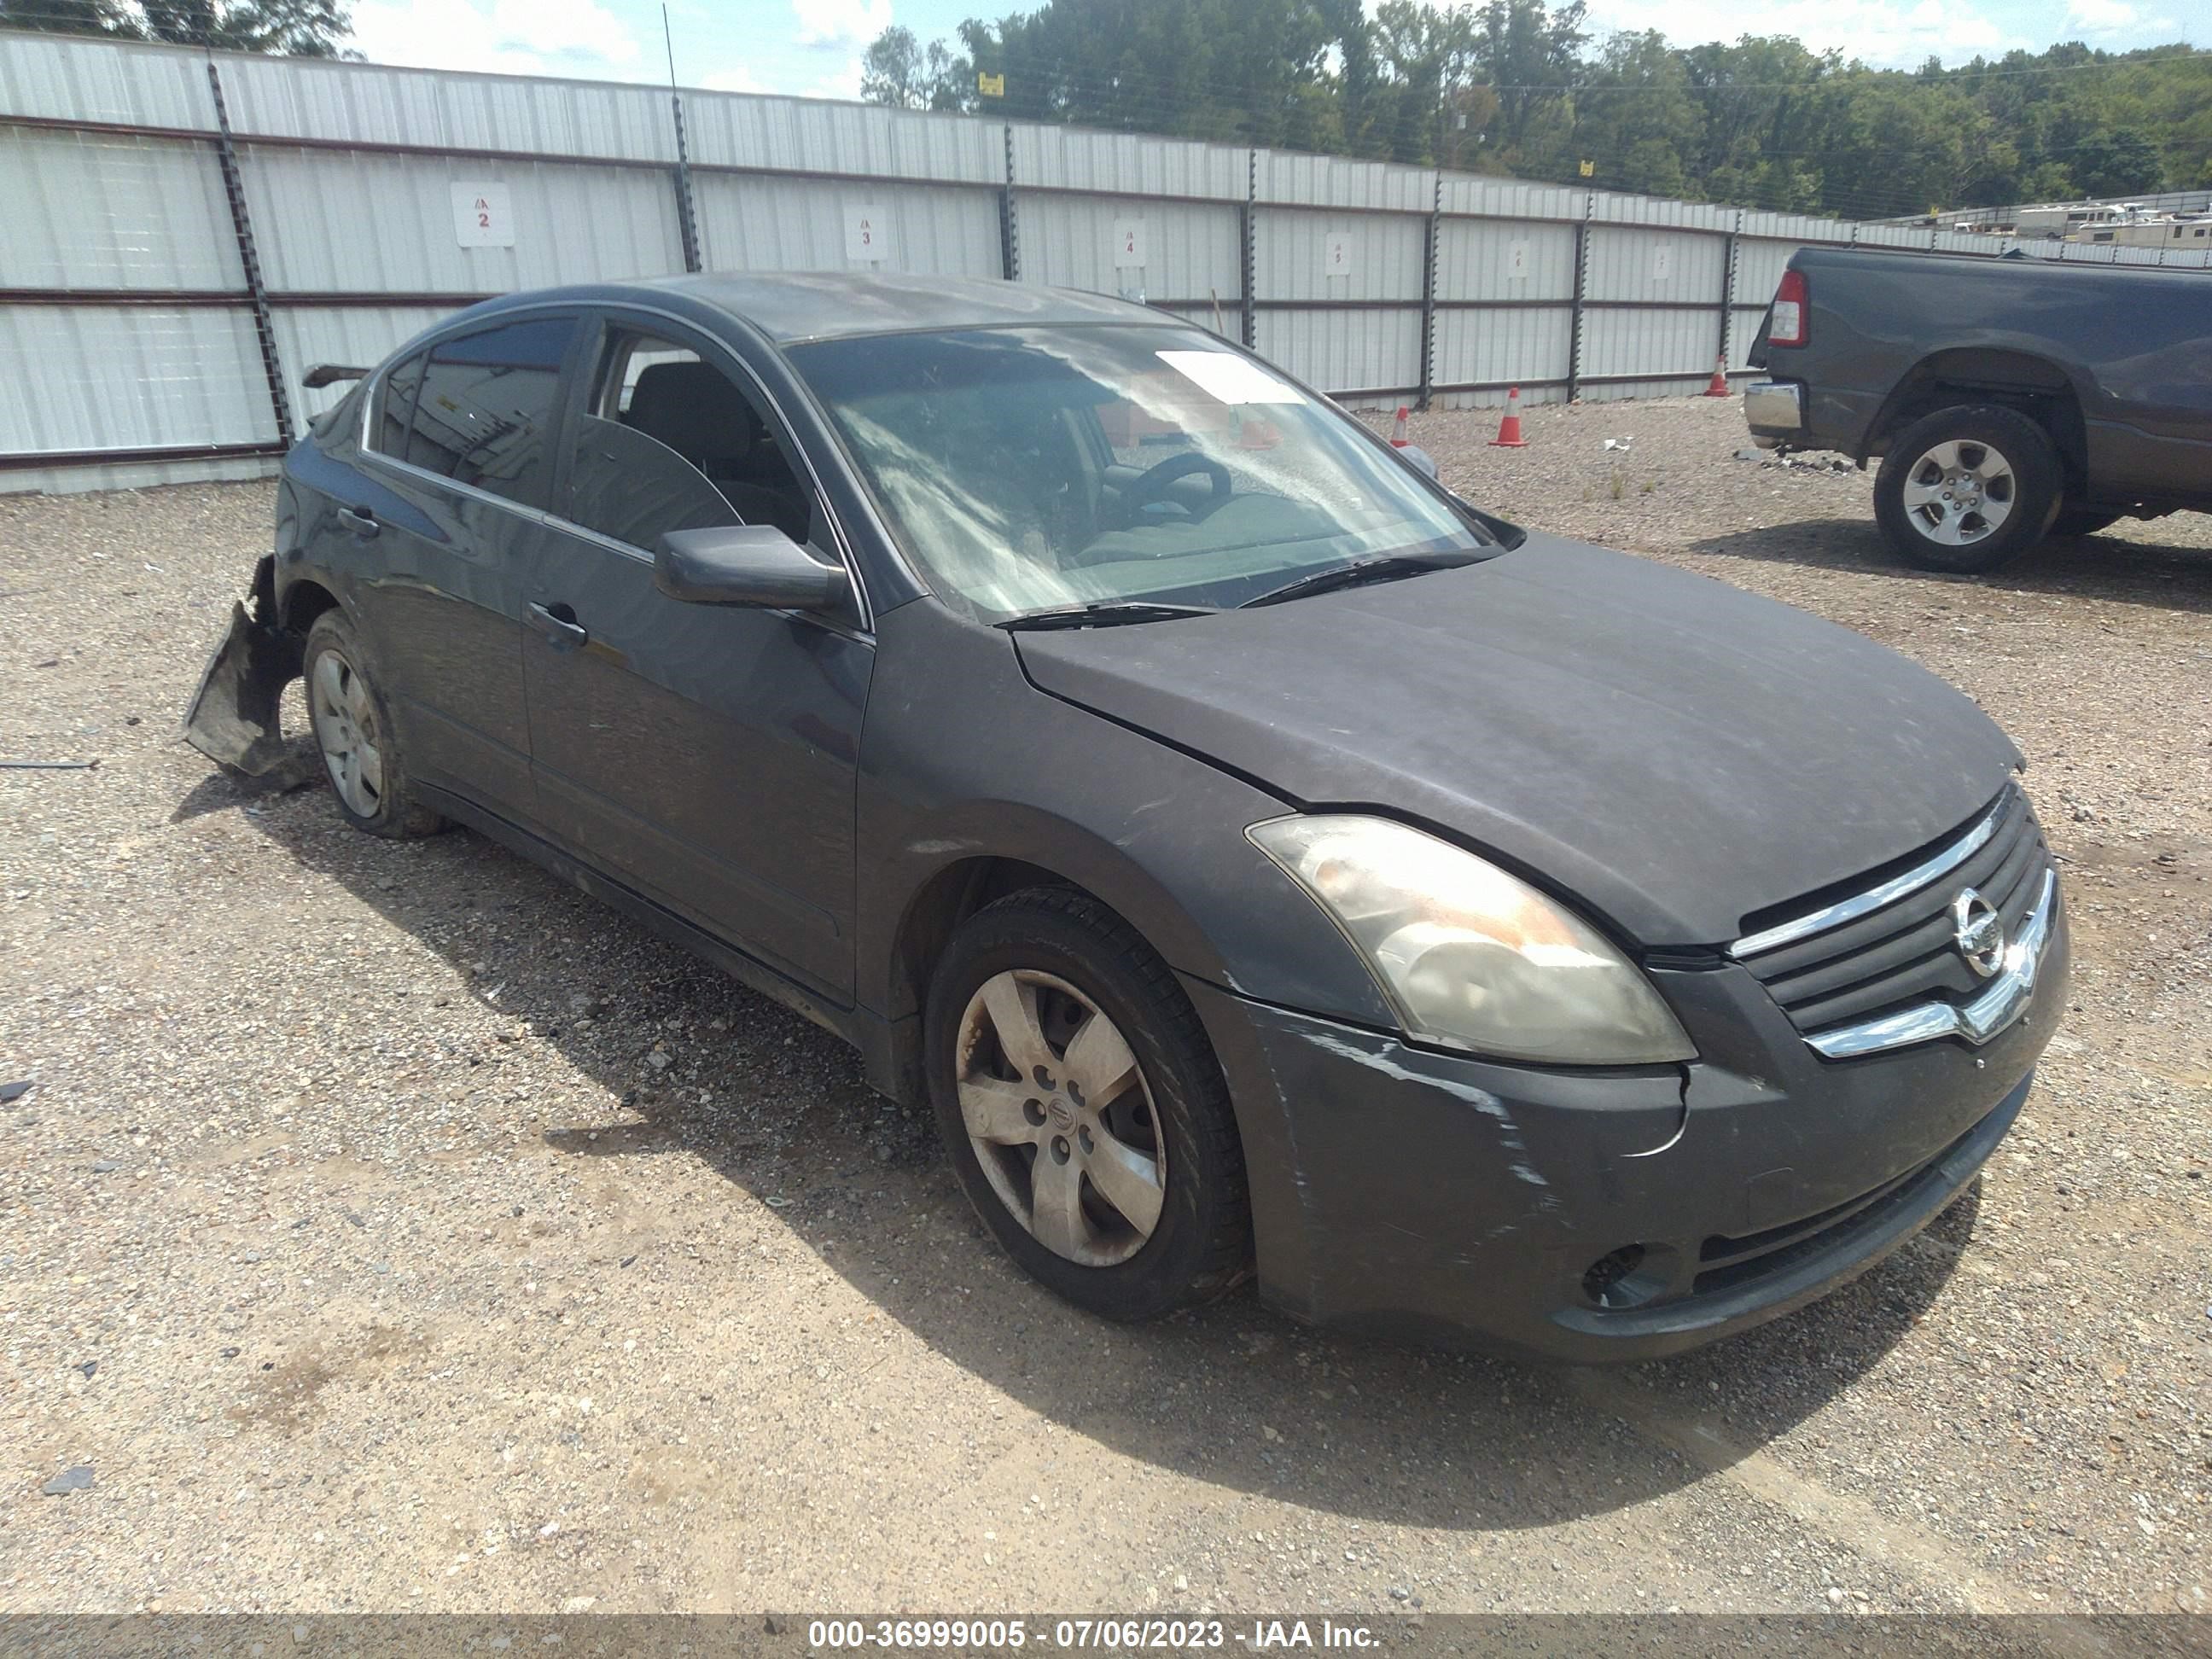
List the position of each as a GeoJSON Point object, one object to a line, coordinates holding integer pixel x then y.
{"type": "Point", "coordinates": [1061, 1117]}
{"type": "Point", "coordinates": [1960, 492]}
{"type": "Point", "coordinates": [343, 715]}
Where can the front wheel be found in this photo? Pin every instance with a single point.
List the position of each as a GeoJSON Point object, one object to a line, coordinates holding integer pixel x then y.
{"type": "Point", "coordinates": [1966, 488]}
{"type": "Point", "coordinates": [1083, 1107]}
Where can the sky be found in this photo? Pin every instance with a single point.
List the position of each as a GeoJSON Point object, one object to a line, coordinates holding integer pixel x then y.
{"type": "Point", "coordinates": [812, 48]}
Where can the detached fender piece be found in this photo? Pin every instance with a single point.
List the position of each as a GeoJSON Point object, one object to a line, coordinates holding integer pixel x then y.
{"type": "Point", "coordinates": [233, 718]}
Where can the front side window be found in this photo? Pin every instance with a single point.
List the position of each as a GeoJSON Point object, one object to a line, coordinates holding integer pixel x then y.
{"type": "Point", "coordinates": [487, 406]}
{"type": "Point", "coordinates": [1032, 469]}
{"type": "Point", "coordinates": [668, 441]}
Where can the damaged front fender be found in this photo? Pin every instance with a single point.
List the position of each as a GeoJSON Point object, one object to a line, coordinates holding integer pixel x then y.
{"type": "Point", "coordinates": [234, 717]}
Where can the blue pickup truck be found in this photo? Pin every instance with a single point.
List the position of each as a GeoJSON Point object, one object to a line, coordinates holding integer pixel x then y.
{"type": "Point", "coordinates": [2010, 398]}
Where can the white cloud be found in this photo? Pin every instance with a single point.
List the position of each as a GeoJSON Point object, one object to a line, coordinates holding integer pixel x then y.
{"type": "Point", "coordinates": [732, 80]}
{"type": "Point", "coordinates": [841, 22]}
{"type": "Point", "coordinates": [2113, 17]}
{"type": "Point", "coordinates": [2096, 17]}
{"type": "Point", "coordinates": [1888, 33]}
{"type": "Point", "coordinates": [511, 37]}
{"type": "Point", "coordinates": [843, 82]}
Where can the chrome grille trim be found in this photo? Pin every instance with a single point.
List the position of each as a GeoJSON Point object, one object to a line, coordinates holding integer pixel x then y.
{"type": "Point", "coordinates": [1993, 1010]}
{"type": "Point", "coordinates": [1889, 892]}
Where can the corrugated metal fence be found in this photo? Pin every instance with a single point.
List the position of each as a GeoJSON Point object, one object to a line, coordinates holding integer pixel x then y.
{"type": "Point", "coordinates": [186, 234]}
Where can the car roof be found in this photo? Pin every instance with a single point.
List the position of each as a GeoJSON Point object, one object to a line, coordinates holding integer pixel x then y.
{"type": "Point", "coordinates": [789, 307]}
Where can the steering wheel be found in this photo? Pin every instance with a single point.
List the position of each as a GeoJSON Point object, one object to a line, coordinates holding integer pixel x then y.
{"type": "Point", "coordinates": [1152, 484]}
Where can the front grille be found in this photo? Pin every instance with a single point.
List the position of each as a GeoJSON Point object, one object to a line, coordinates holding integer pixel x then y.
{"type": "Point", "coordinates": [1903, 953]}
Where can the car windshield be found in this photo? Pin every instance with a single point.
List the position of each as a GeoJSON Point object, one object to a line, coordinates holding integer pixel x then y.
{"type": "Point", "coordinates": [1039, 469]}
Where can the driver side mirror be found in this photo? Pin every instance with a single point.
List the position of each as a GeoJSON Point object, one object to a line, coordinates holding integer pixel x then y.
{"type": "Point", "coordinates": [748, 564]}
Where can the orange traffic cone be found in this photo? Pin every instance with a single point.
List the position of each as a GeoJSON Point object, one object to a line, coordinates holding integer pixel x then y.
{"type": "Point", "coordinates": [1718, 386]}
{"type": "Point", "coordinates": [1400, 430]}
{"type": "Point", "coordinates": [1509, 429]}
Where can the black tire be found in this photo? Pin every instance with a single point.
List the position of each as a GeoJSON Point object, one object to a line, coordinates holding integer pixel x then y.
{"type": "Point", "coordinates": [2035, 478]}
{"type": "Point", "coordinates": [2083, 520]}
{"type": "Point", "coordinates": [1200, 1245]}
{"type": "Point", "coordinates": [392, 811]}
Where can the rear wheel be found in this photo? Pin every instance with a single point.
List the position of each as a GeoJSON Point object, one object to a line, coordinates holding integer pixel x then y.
{"type": "Point", "coordinates": [1966, 488]}
{"type": "Point", "coordinates": [1083, 1107]}
{"type": "Point", "coordinates": [352, 730]}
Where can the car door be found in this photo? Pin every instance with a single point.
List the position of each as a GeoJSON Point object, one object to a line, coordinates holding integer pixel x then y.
{"type": "Point", "coordinates": [461, 453]}
{"type": "Point", "coordinates": [704, 753]}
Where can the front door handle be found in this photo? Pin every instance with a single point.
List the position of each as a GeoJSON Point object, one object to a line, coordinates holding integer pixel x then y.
{"type": "Point", "coordinates": [359, 519]}
{"type": "Point", "coordinates": [558, 623]}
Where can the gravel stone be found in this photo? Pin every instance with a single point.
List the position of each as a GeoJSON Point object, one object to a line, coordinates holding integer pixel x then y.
{"type": "Point", "coordinates": [69, 1480]}
{"type": "Point", "coordinates": [810, 1386]}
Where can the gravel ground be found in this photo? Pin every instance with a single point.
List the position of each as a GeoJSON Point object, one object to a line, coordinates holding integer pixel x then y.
{"type": "Point", "coordinates": [389, 1227]}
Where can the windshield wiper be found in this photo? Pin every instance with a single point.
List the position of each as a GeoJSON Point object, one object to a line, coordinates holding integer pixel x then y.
{"type": "Point", "coordinates": [1109, 613]}
{"type": "Point", "coordinates": [1358, 572]}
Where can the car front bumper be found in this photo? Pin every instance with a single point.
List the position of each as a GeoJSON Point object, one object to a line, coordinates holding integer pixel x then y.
{"type": "Point", "coordinates": [1595, 1216]}
{"type": "Point", "coordinates": [1774, 412]}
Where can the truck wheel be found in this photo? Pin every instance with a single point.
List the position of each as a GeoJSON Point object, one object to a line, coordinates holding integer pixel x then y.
{"type": "Point", "coordinates": [2083, 520]}
{"type": "Point", "coordinates": [1083, 1110]}
{"type": "Point", "coordinates": [1966, 488]}
{"type": "Point", "coordinates": [353, 729]}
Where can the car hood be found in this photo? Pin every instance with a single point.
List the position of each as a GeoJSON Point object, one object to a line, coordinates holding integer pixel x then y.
{"type": "Point", "coordinates": [1674, 753]}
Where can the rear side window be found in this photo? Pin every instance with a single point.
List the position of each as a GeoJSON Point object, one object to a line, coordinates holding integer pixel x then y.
{"type": "Point", "coordinates": [488, 407]}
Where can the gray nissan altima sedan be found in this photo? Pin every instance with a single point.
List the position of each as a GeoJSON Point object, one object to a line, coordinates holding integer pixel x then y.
{"type": "Point", "coordinates": [1264, 861]}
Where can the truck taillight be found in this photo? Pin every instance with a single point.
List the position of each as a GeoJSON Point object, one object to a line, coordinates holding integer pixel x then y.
{"type": "Point", "coordinates": [1786, 321]}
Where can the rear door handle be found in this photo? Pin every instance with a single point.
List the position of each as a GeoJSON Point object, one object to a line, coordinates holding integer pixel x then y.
{"type": "Point", "coordinates": [558, 623]}
{"type": "Point", "coordinates": [359, 519]}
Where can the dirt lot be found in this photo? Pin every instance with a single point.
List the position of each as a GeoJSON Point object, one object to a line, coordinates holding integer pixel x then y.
{"type": "Point", "coordinates": [390, 1227]}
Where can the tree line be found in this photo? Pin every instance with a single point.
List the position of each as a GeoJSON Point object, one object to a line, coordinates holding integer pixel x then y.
{"type": "Point", "coordinates": [297, 28]}
{"type": "Point", "coordinates": [1524, 89]}
{"type": "Point", "coordinates": [1513, 88]}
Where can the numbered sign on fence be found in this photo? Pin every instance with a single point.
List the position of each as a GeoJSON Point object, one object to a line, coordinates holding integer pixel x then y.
{"type": "Point", "coordinates": [482, 216]}
{"type": "Point", "coordinates": [1662, 262]}
{"type": "Point", "coordinates": [1516, 261]}
{"type": "Point", "coordinates": [1129, 244]}
{"type": "Point", "coordinates": [1336, 255]}
{"type": "Point", "coordinates": [868, 234]}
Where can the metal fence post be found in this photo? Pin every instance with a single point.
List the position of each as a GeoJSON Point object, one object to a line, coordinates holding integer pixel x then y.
{"type": "Point", "coordinates": [1728, 291]}
{"type": "Point", "coordinates": [687, 212]}
{"type": "Point", "coordinates": [1429, 254]}
{"type": "Point", "coordinates": [1010, 238]}
{"type": "Point", "coordinates": [1247, 231]}
{"type": "Point", "coordinates": [1582, 282]}
{"type": "Point", "coordinates": [241, 225]}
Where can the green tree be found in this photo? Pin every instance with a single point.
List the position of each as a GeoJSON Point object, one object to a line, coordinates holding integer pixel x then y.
{"type": "Point", "coordinates": [1531, 55]}
{"type": "Point", "coordinates": [112, 17]}
{"type": "Point", "coordinates": [2123, 162]}
{"type": "Point", "coordinates": [1636, 119]}
{"type": "Point", "coordinates": [1765, 105]}
{"type": "Point", "coordinates": [1189, 69]}
{"type": "Point", "coordinates": [1516, 87]}
{"type": "Point", "coordinates": [898, 70]}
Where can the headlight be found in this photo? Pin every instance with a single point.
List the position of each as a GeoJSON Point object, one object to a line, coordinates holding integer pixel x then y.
{"type": "Point", "coordinates": [1471, 956]}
